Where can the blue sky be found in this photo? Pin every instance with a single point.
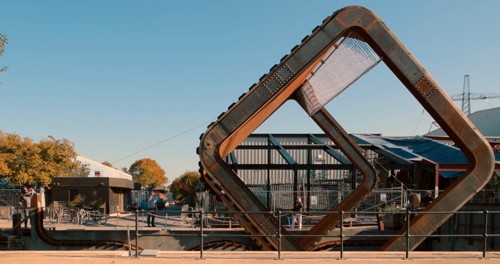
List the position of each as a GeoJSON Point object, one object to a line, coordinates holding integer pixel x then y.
{"type": "Point", "coordinates": [126, 80]}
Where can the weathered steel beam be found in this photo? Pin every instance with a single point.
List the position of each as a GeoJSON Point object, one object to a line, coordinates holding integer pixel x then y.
{"type": "Point", "coordinates": [281, 85]}
{"type": "Point", "coordinates": [355, 154]}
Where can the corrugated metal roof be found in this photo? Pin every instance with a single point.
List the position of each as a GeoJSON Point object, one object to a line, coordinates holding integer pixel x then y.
{"type": "Point", "coordinates": [418, 148]}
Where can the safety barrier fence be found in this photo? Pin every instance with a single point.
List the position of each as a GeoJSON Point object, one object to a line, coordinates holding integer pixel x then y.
{"type": "Point", "coordinates": [202, 216]}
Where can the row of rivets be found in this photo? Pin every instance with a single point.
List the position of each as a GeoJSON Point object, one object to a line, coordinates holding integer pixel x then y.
{"type": "Point", "coordinates": [425, 87]}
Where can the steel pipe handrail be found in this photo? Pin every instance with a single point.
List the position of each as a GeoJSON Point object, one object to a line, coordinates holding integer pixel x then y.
{"type": "Point", "coordinates": [202, 234]}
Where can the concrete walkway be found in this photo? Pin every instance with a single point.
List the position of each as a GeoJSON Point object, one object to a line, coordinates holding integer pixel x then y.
{"type": "Point", "coordinates": [224, 257]}
{"type": "Point", "coordinates": [186, 257]}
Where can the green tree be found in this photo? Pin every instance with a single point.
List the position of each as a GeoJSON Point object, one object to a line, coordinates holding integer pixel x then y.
{"type": "Point", "coordinates": [25, 162]}
{"type": "Point", "coordinates": [3, 42]}
{"type": "Point", "coordinates": [81, 170]}
{"type": "Point", "coordinates": [148, 173]}
{"type": "Point", "coordinates": [185, 187]}
{"type": "Point", "coordinates": [107, 163]}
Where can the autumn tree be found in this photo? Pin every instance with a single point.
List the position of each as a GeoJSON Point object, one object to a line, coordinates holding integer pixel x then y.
{"type": "Point", "coordinates": [185, 187]}
{"type": "Point", "coordinates": [25, 162]}
{"type": "Point", "coordinates": [148, 173]}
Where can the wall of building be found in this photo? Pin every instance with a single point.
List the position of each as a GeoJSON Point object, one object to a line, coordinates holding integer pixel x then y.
{"type": "Point", "coordinates": [487, 121]}
{"type": "Point", "coordinates": [301, 156]}
{"type": "Point", "coordinates": [114, 193]}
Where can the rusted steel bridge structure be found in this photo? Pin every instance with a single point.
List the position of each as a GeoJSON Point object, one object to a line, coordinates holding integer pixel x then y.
{"type": "Point", "coordinates": [337, 53]}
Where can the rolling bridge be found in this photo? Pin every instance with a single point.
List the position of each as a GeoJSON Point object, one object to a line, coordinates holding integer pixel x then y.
{"type": "Point", "coordinates": [337, 53]}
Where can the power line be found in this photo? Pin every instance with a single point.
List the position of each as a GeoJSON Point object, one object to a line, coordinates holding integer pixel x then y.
{"type": "Point", "coordinates": [466, 96]}
{"type": "Point", "coordinates": [165, 140]}
{"type": "Point", "coordinates": [420, 119]}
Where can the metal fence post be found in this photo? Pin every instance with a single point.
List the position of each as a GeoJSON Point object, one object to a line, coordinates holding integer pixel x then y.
{"type": "Point", "coordinates": [136, 233]}
{"type": "Point", "coordinates": [128, 241]}
{"type": "Point", "coordinates": [341, 234]}
{"type": "Point", "coordinates": [407, 215]}
{"type": "Point", "coordinates": [166, 221]}
{"type": "Point", "coordinates": [201, 234]}
{"type": "Point", "coordinates": [279, 234]}
{"type": "Point", "coordinates": [485, 233]}
{"type": "Point", "coordinates": [142, 219]}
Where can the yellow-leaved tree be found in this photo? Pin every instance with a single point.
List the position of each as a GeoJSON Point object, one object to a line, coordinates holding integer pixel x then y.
{"type": "Point", "coordinates": [25, 162]}
{"type": "Point", "coordinates": [148, 173]}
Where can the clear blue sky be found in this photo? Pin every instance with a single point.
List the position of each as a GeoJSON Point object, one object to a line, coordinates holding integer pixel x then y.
{"type": "Point", "coordinates": [116, 77]}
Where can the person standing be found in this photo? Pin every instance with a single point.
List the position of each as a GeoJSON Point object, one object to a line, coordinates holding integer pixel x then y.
{"type": "Point", "coordinates": [152, 210]}
{"type": "Point", "coordinates": [297, 213]}
{"type": "Point", "coordinates": [427, 199]}
{"type": "Point", "coordinates": [24, 211]}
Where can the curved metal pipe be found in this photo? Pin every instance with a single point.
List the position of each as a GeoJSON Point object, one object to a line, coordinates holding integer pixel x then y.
{"type": "Point", "coordinates": [46, 238]}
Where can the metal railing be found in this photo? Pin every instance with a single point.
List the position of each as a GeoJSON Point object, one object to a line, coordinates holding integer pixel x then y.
{"type": "Point", "coordinates": [9, 197]}
{"type": "Point", "coordinates": [342, 235]}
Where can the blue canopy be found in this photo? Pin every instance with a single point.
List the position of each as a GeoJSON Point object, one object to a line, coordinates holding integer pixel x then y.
{"type": "Point", "coordinates": [418, 148]}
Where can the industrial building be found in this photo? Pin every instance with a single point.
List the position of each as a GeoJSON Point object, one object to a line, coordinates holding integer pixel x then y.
{"type": "Point", "coordinates": [109, 186]}
{"type": "Point", "coordinates": [280, 167]}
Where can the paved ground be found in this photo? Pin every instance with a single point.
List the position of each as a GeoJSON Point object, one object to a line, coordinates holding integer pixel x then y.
{"type": "Point", "coordinates": [113, 257]}
{"type": "Point", "coordinates": [224, 257]}
{"type": "Point", "coordinates": [123, 220]}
